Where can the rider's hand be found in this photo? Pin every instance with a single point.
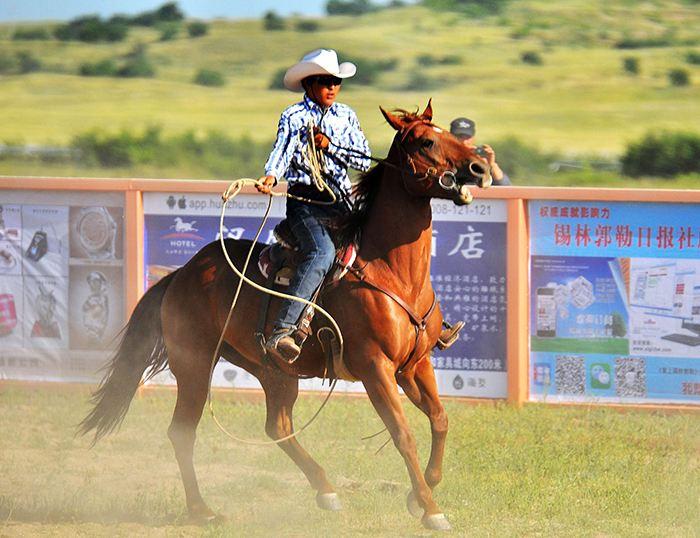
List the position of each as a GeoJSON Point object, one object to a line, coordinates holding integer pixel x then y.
{"type": "Point", "coordinates": [266, 184]}
{"type": "Point", "coordinates": [490, 154]}
{"type": "Point", "coordinates": [321, 140]}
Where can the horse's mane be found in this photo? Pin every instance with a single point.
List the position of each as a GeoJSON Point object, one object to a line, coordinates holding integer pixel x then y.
{"type": "Point", "coordinates": [347, 228]}
{"type": "Point", "coordinates": [364, 192]}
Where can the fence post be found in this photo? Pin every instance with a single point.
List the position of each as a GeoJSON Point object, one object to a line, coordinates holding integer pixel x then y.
{"type": "Point", "coordinates": [517, 325]}
{"type": "Point", "coordinates": [133, 256]}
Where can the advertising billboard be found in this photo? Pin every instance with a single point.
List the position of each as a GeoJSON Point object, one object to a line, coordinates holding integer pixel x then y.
{"type": "Point", "coordinates": [615, 302]}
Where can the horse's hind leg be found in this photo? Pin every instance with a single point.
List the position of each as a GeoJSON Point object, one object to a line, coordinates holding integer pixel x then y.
{"type": "Point", "coordinates": [421, 388]}
{"type": "Point", "coordinates": [192, 376]}
{"type": "Point", "coordinates": [281, 392]}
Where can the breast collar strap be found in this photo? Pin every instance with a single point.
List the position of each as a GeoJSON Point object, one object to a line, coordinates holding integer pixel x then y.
{"type": "Point", "coordinates": [419, 322]}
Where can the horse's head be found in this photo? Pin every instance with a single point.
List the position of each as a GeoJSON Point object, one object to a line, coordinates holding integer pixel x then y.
{"type": "Point", "coordinates": [433, 157]}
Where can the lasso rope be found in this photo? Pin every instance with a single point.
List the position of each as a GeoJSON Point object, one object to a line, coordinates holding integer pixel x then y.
{"type": "Point", "coordinates": [232, 191]}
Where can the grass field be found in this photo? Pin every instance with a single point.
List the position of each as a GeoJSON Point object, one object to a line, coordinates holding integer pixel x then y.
{"type": "Point", "coordinates": [539, 471]}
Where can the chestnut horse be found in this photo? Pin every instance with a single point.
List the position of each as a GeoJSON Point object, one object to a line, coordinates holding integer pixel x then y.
{"type": "Point", "coordinates": [385, 307]}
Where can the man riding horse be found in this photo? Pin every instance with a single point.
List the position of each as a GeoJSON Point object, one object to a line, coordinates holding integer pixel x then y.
{"type": "Point", "coordinates": [336, 131]}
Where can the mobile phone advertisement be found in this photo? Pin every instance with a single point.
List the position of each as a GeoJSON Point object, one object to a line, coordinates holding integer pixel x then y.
{"type": "Point", "coordinates": [615, 302]}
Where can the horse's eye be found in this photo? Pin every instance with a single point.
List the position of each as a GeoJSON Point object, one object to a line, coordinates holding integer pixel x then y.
{"type": "Point", "coordinates": [427, 144]}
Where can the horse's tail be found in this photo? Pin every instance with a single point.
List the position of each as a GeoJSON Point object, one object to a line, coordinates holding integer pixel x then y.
{"type": "Point", "coordinates": [141, 348]}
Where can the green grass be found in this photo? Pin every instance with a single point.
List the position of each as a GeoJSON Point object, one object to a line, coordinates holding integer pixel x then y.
{"type": "Point", "coordinates": [578, 101]}
{"type": "Point", "coordinates": [539, 471]}
{"type": "Point", "coordinates": [614, 346]}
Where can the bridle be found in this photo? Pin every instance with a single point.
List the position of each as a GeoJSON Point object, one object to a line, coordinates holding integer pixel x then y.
{"type": "Point", "coordinates": [446, 179]}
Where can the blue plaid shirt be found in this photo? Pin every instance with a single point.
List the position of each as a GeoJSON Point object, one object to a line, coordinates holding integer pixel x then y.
{"type": "Point", "coordinates": [339, 123]}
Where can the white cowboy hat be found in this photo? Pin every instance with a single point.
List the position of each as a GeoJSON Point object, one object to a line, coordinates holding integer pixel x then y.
{"type": "Point", "coordinates": [317, 62]}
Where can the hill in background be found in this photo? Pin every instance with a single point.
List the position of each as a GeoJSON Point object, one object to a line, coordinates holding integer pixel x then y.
{"type": "Point", "coordinates": [571, 77]}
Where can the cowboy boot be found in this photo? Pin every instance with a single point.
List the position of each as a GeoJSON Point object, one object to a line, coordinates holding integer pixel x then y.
{"type": "Point", "coordinates": [449, 334]}
{"type": "Point", "coordinates": [283, 346]}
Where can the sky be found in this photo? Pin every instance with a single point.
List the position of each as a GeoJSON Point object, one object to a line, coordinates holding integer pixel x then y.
{"type": "Point", "coordinates": [36, 10]}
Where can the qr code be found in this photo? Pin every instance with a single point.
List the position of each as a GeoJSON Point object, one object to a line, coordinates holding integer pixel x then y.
{"type": "Point", "coordinates": [570, 375]}
{"type": "Point", "coordinates": [631, 377]}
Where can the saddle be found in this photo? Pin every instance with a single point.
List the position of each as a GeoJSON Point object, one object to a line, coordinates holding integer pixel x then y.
{"type": "Point", "coordinates": [281, 259]}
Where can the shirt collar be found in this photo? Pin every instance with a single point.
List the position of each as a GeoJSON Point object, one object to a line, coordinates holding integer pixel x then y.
{"type": "Point", "coordinates": [311, 105]}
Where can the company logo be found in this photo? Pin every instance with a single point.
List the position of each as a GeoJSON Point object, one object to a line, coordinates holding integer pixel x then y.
{"type": "Point", "coordinates": [183, 229]}
{"type": "Point", "coordinates": [458, 382]}
{"type": "Point", "coordinates": [600, 376]}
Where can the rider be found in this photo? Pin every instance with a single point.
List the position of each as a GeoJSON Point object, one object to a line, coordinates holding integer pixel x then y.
{"type": "Point", "coordinates": [336, 130]}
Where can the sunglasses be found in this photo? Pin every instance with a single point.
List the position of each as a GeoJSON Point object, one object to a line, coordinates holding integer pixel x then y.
{"type": "Point", "coordinates": [327, 80]}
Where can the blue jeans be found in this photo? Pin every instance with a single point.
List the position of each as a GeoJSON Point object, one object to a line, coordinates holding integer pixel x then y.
{"type": "Point", "coordinates": [308, 224]}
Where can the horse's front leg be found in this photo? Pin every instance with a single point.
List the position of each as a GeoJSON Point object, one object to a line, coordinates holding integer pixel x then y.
{"type": "Point", "coordinates": [421, 388]}
{"type": "Point", "coordinates": [281, 392]}
{"type": "Point", "coordinates": [384, 395]}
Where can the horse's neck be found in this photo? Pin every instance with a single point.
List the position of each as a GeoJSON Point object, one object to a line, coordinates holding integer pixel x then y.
{"type": "Point", "coordinates": [398, 232]}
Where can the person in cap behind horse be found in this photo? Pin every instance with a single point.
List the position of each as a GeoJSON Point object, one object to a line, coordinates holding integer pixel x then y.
{"type": "Point", "coordinates": [336, 131]}
{"type": "Point", "coordinates": [465, 130]}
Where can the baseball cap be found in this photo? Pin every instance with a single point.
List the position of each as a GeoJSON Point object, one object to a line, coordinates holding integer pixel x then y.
{"type": "Point", "coordinates": [462, 127]}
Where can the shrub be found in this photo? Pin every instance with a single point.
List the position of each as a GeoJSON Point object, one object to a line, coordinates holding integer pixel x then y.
{"type": "Point", "coordinates": [166, 13]}
{"type": "Point", "coordinates": [693, 57]}
{"type": "Point", "coordinates": [91, 29]}
{"type": "Point", "coordinates": [277, 80]}
{"type": "Point", "coordinates": [307, 26]}
{"type": "Point", "coordinates": [139, 67]}
{"type": "Point", "coordinates": [272, 21]}
{"type": "Point", "coordinates": [643, 42]}
{"type": "Point", "coordinates": [27, 62]}
{"type": "Point", "coordinates": [679, 77]}
{"type": "Point", "coordinates": [29, 34]}
{"type": "Point", "coordinates": [531, 58]}
{"type": "Point", "coordinates": [368, 71]}
{"type": "Point", "coordinates": [631, 65]}
{"type": "Point", "coordinates": [197, 29]}
{"type": "Point", "coordinates": [419, 81]}
{"type": "Point", "coordinates": [7, 63]}
{"type": "Point", "coordinates": [215, 153]}
{"type": "Point", "coordinates": [473, 8]}
{"type": "Point", "coordinates": [169, 30]}
{"type": "Point", "coordinates": [105, 68]}
{"type": "Point", "coordinates": [209, 77]}
{"type": "Point", "coordinates": [520, 160]}
{"type": "Point", "coordinates": [664, 154]}
{"type": "Point", "coordinates": [427, 60]}
{"type": "Point", "coordinates": [349, 7]}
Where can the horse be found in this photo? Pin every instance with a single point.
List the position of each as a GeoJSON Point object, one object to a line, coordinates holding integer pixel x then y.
{"type": "Point", "coordinates": [385, 307]}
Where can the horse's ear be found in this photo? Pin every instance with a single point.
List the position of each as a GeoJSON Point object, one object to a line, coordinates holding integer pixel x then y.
{"type": "Point", "coordinates": [428, 112]}
{"type": "Point", "coordinates": [393, 120]}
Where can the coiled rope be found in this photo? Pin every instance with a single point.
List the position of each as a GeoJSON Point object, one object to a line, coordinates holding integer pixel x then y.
{"type": "Point", "coordinates": [314, 161]}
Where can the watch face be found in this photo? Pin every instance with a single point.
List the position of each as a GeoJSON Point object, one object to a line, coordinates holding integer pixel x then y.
{"type": "Point", "coordinates": [96, 231]}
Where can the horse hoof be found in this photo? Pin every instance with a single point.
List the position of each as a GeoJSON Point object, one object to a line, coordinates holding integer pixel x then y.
{"type": "Point", "coordinates": [414, 508]}
{"type": "Point", "coordinates": [329, 501]}
{"type": "Point", "coordinates": [203, 520]}
{"type": "Point", "coordinates": [436, 522]}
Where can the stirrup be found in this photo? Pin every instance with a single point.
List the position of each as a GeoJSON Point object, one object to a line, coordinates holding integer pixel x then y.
{"type": "Point", "coordinates": [449, 335]}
